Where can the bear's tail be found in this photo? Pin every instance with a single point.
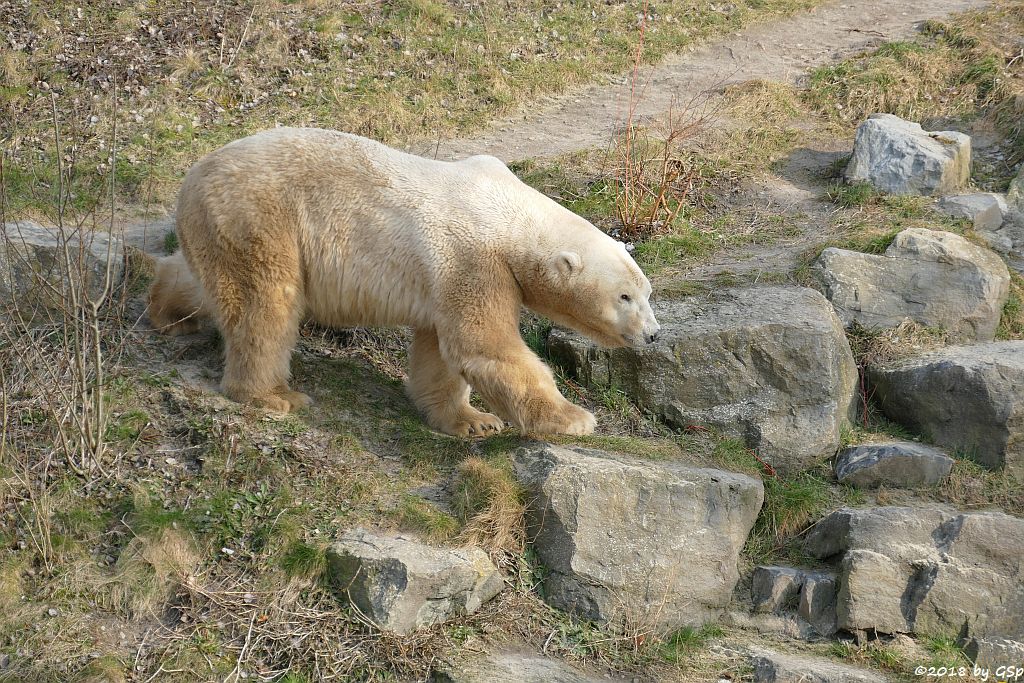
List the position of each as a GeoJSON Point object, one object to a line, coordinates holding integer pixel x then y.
{"type": "Point", "coordinates": [175, 297]}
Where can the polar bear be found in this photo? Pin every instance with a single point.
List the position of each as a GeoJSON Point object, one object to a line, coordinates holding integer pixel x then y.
{"type": "Point", "coordinates": [300, 222]}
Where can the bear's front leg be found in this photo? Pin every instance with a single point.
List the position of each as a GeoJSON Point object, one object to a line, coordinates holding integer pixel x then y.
{"type": "Point", "coordinates": [441, 394]}
{"type": "Point", "coordinates": [516, 384]}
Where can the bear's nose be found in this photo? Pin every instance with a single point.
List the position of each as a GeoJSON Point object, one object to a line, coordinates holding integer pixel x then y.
{"type": "Point", "coordinates": [651, 338]}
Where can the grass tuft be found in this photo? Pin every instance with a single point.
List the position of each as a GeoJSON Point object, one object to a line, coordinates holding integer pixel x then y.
{"type": "Point", "coordinates": [491, 504]}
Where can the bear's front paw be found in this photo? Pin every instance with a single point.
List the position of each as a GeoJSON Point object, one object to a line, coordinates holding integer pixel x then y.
{"type": "Point", "coordinates": [566, 419]}
{"type": "Point", "coordinates": [472, 423]}
{"type": "Point", "coordinates": [579, 422]}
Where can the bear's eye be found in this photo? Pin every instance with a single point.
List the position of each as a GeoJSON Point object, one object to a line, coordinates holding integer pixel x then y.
{"type": "Point", "coordinates": [625, 297]}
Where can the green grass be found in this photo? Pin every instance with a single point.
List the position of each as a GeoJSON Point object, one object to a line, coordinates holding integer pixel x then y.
{"type": "Point", "coordinates": [420, 517]}
{"type": "Point", "coordinates": [679, 645]}
{"type": "Point", "coordinates": [397, 72]}
{"type": "Point", "coordinates": [1011, 323]}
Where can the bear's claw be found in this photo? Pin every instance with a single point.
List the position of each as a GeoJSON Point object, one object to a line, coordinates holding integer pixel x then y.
{"type": "Point", "coordinates": [475, 424]}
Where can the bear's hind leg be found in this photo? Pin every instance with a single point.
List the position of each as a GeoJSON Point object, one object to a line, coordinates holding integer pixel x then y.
{"type": "Point", "coordinates": [441, 394]}
{"type": "Point", "coordinates": [259, 318]}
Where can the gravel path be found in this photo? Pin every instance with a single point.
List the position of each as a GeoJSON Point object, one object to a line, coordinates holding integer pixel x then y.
{"type": "Point", "coordinates": [779, 51]}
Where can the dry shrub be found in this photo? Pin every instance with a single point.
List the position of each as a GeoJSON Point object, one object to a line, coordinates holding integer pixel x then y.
{"type": "Point", "coordinates": [656, 175]}
{"type": "Point", "coordinates": [490, 503]}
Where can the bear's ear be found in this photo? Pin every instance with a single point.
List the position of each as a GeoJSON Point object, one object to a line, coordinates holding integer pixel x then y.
{"type": "Point", "coordinates": [568, 263]}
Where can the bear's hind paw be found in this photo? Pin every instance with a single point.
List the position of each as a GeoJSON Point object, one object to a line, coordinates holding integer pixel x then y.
{"type": "Point", "coordinates": [283, 401]}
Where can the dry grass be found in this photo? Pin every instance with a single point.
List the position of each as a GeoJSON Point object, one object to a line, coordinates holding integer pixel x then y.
{"type": "Point", "coordinates": [1011, 324]}
{"type": "Point", "coordinates": [189, 78]}
{"type": "Point", "coordinates": [960, 69]}
{"type": "Point", "coordinates": [880, 347]}
{"type": "Point", "coordinates": [490, 503]}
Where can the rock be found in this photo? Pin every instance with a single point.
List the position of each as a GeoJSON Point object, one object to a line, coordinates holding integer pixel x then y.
{"type": "Point", "coordinates": [775, 667]}
{"type": "Point", "coordinates": [935, 278]}
{"type": "Point", "coordinates": [818, 602]}
{"type": "Point", "coordinates": [510, 666]}
{"type": "Point", "coordinates": [1015, 193]}
{"type": "Point", "coordinates": [925, 570]}
{"type": "Point", "coordinates": [768, 365]}
{"type": "Point", "coordinates": [991, 653]}
{"type": "Point", "coordinates": [900, 157]}
{"type": "Point", "coordinates": [622, 537]}
{"type": "Point", "coordinates": [901, 464]}
{"type": "Point", "coordinates": [983, 209]}
{"type": "Point", "coordinates": [967, 398]}
{"type": "Point", "coordinates": [775, 589]}
{"type": "Point", "coordinates": [33, 269]}
{"type": "Point", "coordinates": [402, 584]}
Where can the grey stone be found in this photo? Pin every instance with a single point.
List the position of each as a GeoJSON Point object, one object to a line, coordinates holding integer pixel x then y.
{"type": "Point", "coordinates": [776, 667]}
{"type": "Point", "coordinates": [901, 464]}
{"type": "Point", "coordinates": [403, 584]}
{"type": "Point", "coordinates": [623, 537]}
{"type": "Point", "coordinates": [34, 267]}
{"type": "Point", "coordinates": [925, 569]}
{"type": "Point", "coordinates": [900, 157]}
{"type": "Point", "coordinates": [1015, 193]}
{"type": "Point", "coordinates": [775, 589]}
{"type": "Point", "coordinates": [968, 398]}
{"type": "Point", "coordinates": [992, 653]}
{"type": "Point", "coordinates": [818, 602]}
{"type": "Point", "coordinates": [509, 667]}
{"type": "Point", "coordinates": [983, 209]}
{"type": "Point", "coordinates": [935, 278]}
{"type": "Point", "coordinates": [769, 365]}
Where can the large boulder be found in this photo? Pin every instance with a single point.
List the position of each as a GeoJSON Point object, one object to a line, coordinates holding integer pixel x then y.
{"type": "Point", "coordinates": [40, 265]}
{"type": "Point", "coordinates": [900, 464]}
{"type": "Point", "coordinates": [403, 584]}
{"type": "Point", "coordinates": [769, 365]}
{"type": "Point", "coordinates": [900, 157]}
{"type": "Point", "coordinates": [925, 570]}
{"type": "Point", "coordinates": [778, 667]}
{"type": "Point", "coordinates": [968, 398]}
{"type": "Point", "coordinates": [936, 278]}
{"type": "Point", "coordinates": [624, 538]}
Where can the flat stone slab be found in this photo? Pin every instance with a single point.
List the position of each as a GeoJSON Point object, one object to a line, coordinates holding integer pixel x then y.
{"type": "Point", "coordinates": [900, 464]}
{"type": "Point", "coordinates": [776, 667]}
{"type": "Point", "coordinates": [626, 538]}
{"type": "Point", "coordinates": [402, 584]}
{"type": "Point", "coordinates": [521, 668]}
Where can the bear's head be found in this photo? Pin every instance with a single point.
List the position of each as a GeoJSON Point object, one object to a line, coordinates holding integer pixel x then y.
{"type": "Point", "coordinates": [598, 290]}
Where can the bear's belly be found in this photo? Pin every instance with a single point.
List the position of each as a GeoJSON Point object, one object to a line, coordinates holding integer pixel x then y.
{"type": "Point", "coordinates": [383, 297]}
